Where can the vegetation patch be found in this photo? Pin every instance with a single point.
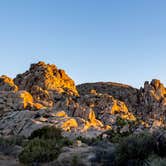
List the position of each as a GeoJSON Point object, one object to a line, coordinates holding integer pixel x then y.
{"type": "Point", "coordinates": [44, 146]}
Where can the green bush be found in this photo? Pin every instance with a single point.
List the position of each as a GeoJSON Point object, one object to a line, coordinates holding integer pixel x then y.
{"type": "Point", "coordinates": [115, 137]}
{"type": "Point", "coordinates": [44, 145]}
{"type": "Point", "coordinates": [38, 151]}
{"type": "Point", "coordinates": [47, 132]}
{"type": "Point", "coordinates": [89, 141]}
{"type": "Point", "coordinates": [135, 149]}
{"type": "Point", "coordinates": [161, 142]}
{"type": "Point", "coordinates": [76, 161]}
{"type": "Point", "coordinates": [121, 122]}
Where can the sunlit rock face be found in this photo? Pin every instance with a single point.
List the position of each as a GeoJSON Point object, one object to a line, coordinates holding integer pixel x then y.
{"type": "Point", "coordinates": [7, 84]}
{"type": "Point", "coordinates": [43, 80]}
{"type": "Point", "coordinates": [46, 95]}
{"type": "Point", "coordinates": [96, 107]}
{"type": "Point", "coordinates": [25, 122]}
{"type": "Point", "coordinates": [14, 101]}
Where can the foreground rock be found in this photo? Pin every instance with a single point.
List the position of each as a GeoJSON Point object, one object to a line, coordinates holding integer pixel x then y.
{"type": "Point", "coordinates": [23, 123]}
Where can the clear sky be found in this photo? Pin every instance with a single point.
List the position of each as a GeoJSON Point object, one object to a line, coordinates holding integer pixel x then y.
{"type": "Point", "coordinates": [93, 40]}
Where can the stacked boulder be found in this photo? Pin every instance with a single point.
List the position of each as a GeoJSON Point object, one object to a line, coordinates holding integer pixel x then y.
{"type": "Point", "coordinates": [44, 81]}
{"type": "Point", "coordinates": [93, 109]}
{"type": "Point", "coordinates": [11, 99]}
{"type": "Point", "coordinates": [99, 109]}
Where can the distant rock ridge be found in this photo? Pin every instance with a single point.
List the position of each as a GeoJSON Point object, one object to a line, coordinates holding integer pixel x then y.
{"type": "Point", "coordinates": [148, 104]}
{"type": "Point", "coordinates": [46, 95]}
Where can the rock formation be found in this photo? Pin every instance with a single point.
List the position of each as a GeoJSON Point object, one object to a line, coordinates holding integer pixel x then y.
{"type": "Point", "coordinates": [46, 95]}
{"type": "Point", "coordinates": [122, 92]}
{"type": "Point", "coordinates": [7, 84]}
{"type": "Point", "coordinates": [43, 81]}
{"type": "Point", "coordinates": [148, 104]}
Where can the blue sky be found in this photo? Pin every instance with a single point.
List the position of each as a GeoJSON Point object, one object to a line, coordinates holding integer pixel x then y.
{"type": "Point", "coordinates": [93, 40]}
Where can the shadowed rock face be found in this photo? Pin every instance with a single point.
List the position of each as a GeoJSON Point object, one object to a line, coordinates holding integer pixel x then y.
{"type": "Point", "coordinates": [152, 101]}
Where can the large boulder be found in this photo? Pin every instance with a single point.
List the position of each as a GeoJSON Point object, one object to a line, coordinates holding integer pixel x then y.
{"type": "Point", "coordinates": [14, 101]}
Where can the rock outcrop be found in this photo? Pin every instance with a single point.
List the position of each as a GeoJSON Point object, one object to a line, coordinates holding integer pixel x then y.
{"type": "Point", "coordinates": [122, 92]}
{"type": "Point", "coordinates": [7, 84]}
{"type": "Point", "coordinates": [23, 123]}
{"type": "Point", "coordinates": [152, 103]}
{"type": "Point", "coordinates": [46, 95]}
{"type": "Point", "coordinates": [43, 80]}
{"type": "Point", "coordinates": [99, 109]}
{"type": "Point", "coordinates": [148, 104]}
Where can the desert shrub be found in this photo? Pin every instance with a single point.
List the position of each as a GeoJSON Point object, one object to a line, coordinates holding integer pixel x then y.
{"type": "Point", "coordinates": [51, 133]}
{"type": "Point", "coordinates": [38, 151]}
{"type": "Point", "coordinates": [115, 137]}
{"type": "Point", "coordinates": [47, 132]}
{"type": "Point", "coordinates": [44, 145]}
{"type": "Point", "coordinates": [89, 141]}
{"type": "Point", "coordinates": [135, 149]}
{"type": "Point", "coordinates": [160, 137]}
{"type": "Point", "coordinates": [121, 122]}
{"type": "Point", "coordinates": [104, 154]}
{"type": "Point", "coordinates": [76, 161]}
{"type": "Point", "coordinates": [158, 162]}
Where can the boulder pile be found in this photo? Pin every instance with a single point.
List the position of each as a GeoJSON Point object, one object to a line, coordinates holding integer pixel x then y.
{"type": "Point", "coordinates": [45, 95]}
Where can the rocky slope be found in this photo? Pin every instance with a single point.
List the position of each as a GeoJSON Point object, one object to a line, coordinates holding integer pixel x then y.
{"type": "Point", "coordinates": [148, 104]}
{"type": "Point", "coordinates": [45, 95]}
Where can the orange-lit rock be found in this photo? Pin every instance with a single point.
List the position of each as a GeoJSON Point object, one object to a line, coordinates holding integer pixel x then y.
{"type": "Point", "coordinates": [98, 106]}
{"type": "Point", "coordinates": [38, 106]}
{"type": "Point", "coordinates": [61, 114]}
{"type": "Point", "coordinates": [41, 80]}
{"type": "Point", "coordinates": [7, 84]}
{"type": "Point", "coordinates": [25, 98]}
{"type": "Point", "coordinates": [68, 124]}
{"type": "Point", "coordinates": [13, 101]}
